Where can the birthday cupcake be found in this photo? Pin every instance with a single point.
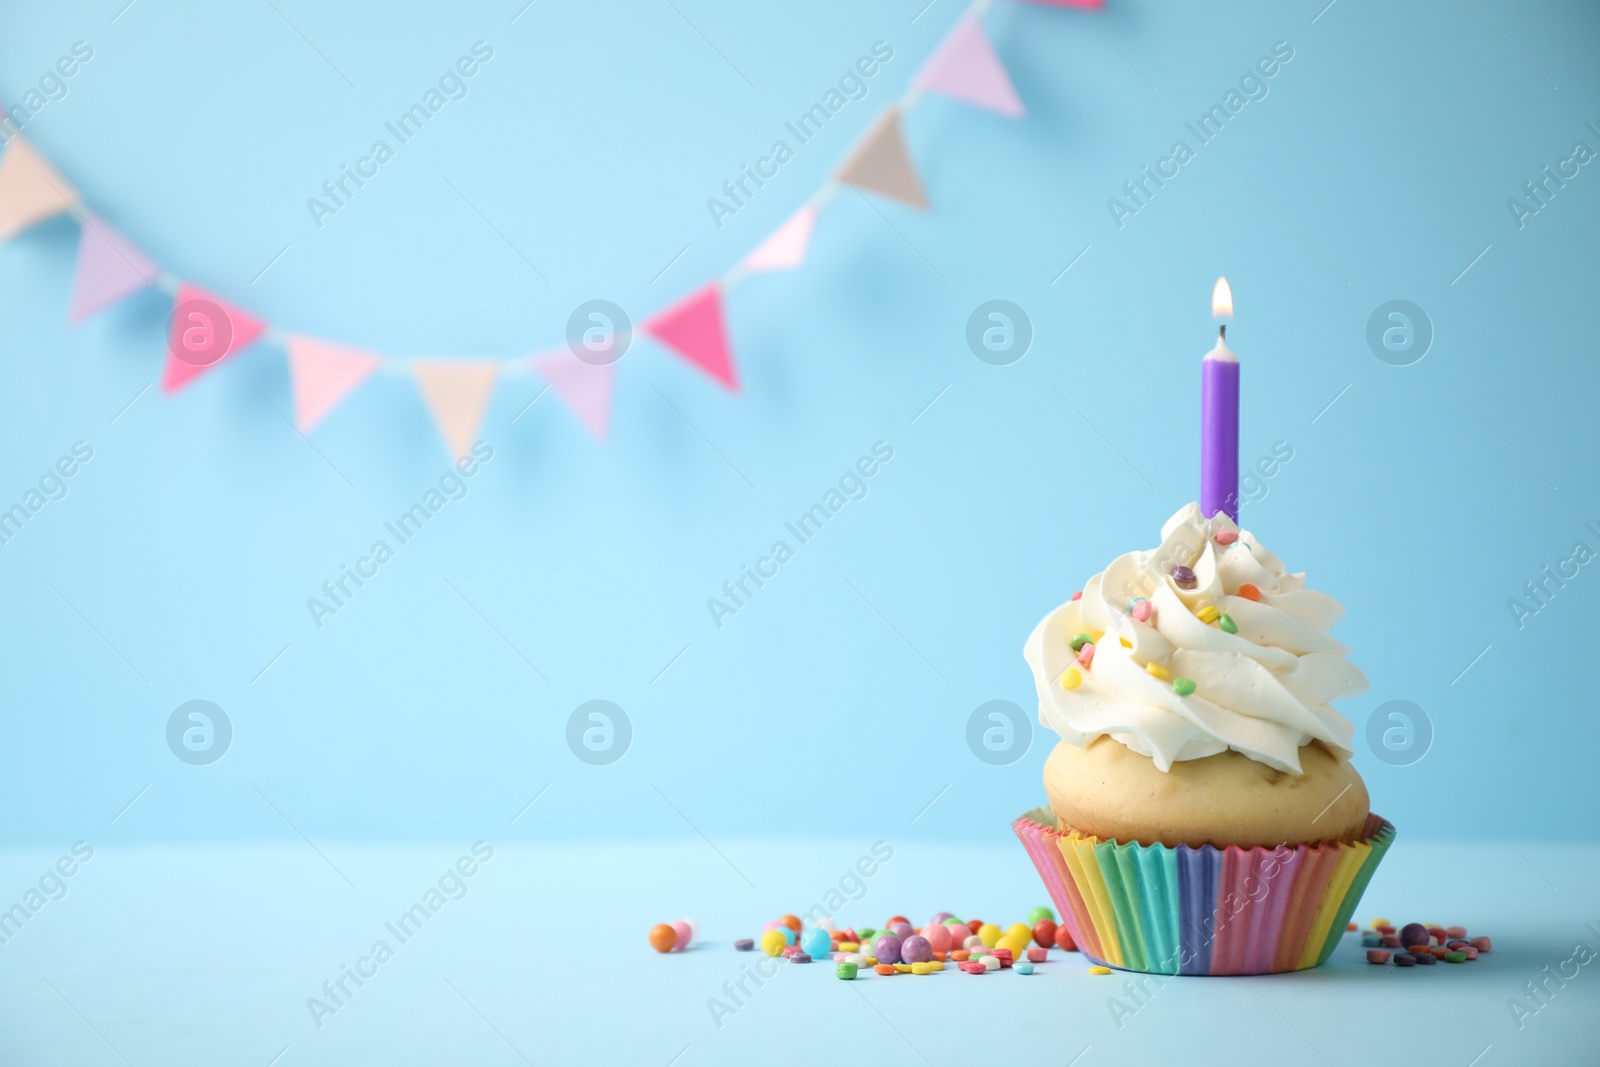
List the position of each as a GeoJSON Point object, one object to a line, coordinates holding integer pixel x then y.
{"type": "Point", "coordinates": [1204, 817]}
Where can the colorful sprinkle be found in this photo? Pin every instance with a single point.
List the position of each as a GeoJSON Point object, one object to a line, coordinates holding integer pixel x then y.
{"type": "Point", "coordinates": [1184, 576]}
{"type": "Point", "coordinates": [847, 971]}
{"type": "Point", "coordinates": [1097, 969]}
{"type": "Point", "coordinates": [1208, 614]}
{"type": "Point", "coordinates": [1230, 627]}
{"type": "Point", "coordinates": [1079, 640]}
{"type": "Point", "coordinates": [1455, 957]}
{"type": "Point", "coordinates": [744, 944]}
{"type": "Point", "coordinates": [1140, 609]}
{"type": "Point", "coordinates": [922, 967]}
{"type": "Point", "coordinates": [1024, 967]}
{"type": "Point", "coordinates": [1482, 944]}
{"type": "Point", "coordinates": [1182, 686]}
{"type": "Point", "coordinates": [1377, 955]}
{"type": "Point", "coordinates": [1157, 670]}
{"type": "Point", "coordinates": [1249, 592]}
{"type": "Point", "coordinates": [1078, 595]}
{"type": "Point", "coordinates": [885, 969]}
{"type": "Point", "coordinates": [1071, 679]}
{"type": "Point", "coordinates": [1226, 537]}
{"type": "Point", "coordinates": [1086, 654]}
{"type": "Point", "coordinates": [1404, 959]}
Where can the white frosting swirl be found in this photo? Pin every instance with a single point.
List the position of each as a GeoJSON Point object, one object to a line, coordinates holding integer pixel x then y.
{"type": "Point", "coordinates": [1263, 691]}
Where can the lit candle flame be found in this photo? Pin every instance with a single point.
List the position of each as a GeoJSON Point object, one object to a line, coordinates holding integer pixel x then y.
{"type": "Point", "coordinates": [1222, 300]}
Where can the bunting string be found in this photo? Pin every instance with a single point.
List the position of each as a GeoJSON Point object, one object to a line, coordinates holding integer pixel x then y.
{"type": "Point", "coordinates": [206, 329]}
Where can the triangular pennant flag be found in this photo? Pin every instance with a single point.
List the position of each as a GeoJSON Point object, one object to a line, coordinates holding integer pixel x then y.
{"type": "Point", "coordinates": [109, 268]}
{"type": "Point", "coordinates": [966, 68]}
{"type": "Point", "coordinates": [206, 330]}
{"type": "Point", "coordinates": [784, 247]}
{"type": "Point", "coordinates": [321, 374]}
{"type": "Point", "coordinates": [693, 329]}
{"type": "Point", "coordinates": [30, 189]}
{"type": "Point", "coordinates": [457, 391]}
{"type": "Point", "coordinates": [586, 387]}
{"type": "Point", "coordinates": [882, 164]}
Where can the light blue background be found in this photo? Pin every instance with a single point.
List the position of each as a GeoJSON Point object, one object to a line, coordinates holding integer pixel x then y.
{"type": "Point", "coordinates": [1378, 167]}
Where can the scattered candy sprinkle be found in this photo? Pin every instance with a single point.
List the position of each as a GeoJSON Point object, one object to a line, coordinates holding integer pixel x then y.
{"type": "Point", "coordinates": [1424, 944]}
{"type": "Point", "coordinates": [1182, 686]}
{"type": "Point", "coordinates": [1249, 592]}
{"type": "Point", "coordinates": [1183, 576]}
{"type": "Point", "coordinates": [1078, 595]}
{"type": "Point", "coordinates": [1078, 641]}
{"type": "Point", "coordinates": [1230, 627]}
{"type": "Point", "coordinates": [1023, 967]}
{"type": "Point", "coordinates": [846, 971]}
{"type": "Point", "coordinates": [663, 938]}
{"type": "Point", "coordinates": [885, 969]}
{"type": "Point", "coordinates": [1140, 609]}
{"type": "Point", "coordinates": [1226, 537]}
{"type": "Point", "coordinates": [1071, 679]}
{"type": "Point", "coordinates": [744, 944]}
{"type": "Point", "coordinates": [1157, 670]}
{"type": "Point", "coordinates": [1208, 614]}
{"type": "Point", "coordinates": [1097, 969]}
{"type": "Point", "coordinates": [1350, 929]}
{"type": "Point", "coordinates": [1086, 656]}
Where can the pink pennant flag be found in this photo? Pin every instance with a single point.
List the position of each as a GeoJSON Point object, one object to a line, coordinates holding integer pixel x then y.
{"type": "Point", "coordinates": [586, 387]}
{"type": "Point", "coordinates": [109, 268]}
{"type": "Point", "coordinates": [693, 328]}
{"type": "Point", "coordinates": [204, 331]}
{"type": "Point", "coordinates": [30, 189]}
{"type": "Point", "coordinates": [457, 392]}
{"type": "Point", "coordinates": [322, 374]}
{"type": "Point", "coordinates": [882, 164]}
{"type": "Point", "coordinates": [786, 246]}
{"type": "Point", "coordinates": [966, 68]}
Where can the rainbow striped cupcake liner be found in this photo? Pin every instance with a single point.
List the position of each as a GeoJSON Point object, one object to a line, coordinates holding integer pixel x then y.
{"type": "Point", "coordinates": [1203, 910]}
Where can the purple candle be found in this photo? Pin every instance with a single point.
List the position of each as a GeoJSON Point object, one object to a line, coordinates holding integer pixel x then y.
{"type": "Point", "coordinates": [1219, 417]}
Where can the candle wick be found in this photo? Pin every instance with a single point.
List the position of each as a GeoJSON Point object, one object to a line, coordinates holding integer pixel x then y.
{"type": "Point", "coordinates": [1222, 332]}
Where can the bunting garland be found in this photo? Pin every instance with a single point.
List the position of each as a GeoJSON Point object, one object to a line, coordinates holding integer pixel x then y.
{"type": "Point", "coordinates": [206, 330]}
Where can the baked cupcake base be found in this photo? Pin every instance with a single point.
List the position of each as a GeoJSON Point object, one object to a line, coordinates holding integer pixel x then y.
{"type": "Point", "coordinates": [1108, 790]}
{"type": "Point", "coordinates": [1206, 910]}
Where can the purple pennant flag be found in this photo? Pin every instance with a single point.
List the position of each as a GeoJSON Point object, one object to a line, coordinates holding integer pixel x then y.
{"type": "Point", "coordinates": [109, 268]}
